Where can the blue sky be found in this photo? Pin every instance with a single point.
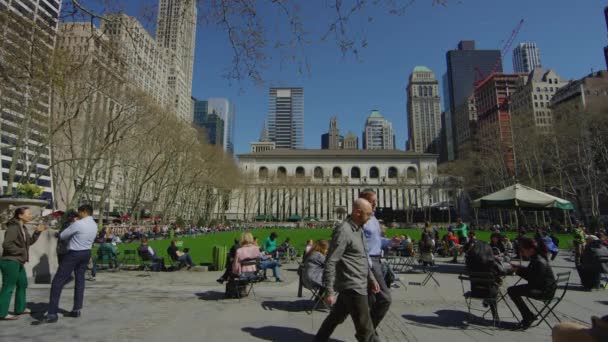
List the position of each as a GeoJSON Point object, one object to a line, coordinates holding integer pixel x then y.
{"type": "Point", "coordinates": [569, 33]}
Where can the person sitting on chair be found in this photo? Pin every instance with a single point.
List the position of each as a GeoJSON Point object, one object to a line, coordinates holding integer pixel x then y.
{"type": "Point", "coordinates": [541, 280]}
{"type": "Point", "coordinates": [109, 250]}
{"type": "Point", "coordinates": [267, 262]}
{"type": "Point", "coordinates": [147, 253]}
{"type": "Point", "coordinates": [312, 277]}
{"type": "Point", "coordinates": [247, 251]}
{"type": "Point", "coordinates": [452, 246]}
{"type": "Point", "coordinates": [426, 247]}
{"type": "Point", "coordinates": [287, 250]}
{"type": "Point", "coordinates": [182, 257]}
{"type": "Point", "coordinates": [480, 258]}
{"type": "Point", "coordinates": [591, 268]}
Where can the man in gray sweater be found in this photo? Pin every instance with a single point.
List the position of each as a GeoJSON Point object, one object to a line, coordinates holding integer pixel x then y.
{"type": "Point", "coordinates": [347, 272]}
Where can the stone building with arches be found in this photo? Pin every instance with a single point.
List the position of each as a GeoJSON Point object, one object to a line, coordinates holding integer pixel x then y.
{"type": "Point", "coordinates": [322, 184]}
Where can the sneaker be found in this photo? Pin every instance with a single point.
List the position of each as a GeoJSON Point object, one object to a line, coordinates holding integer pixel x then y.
{"type": "Point", "coordinates": [279, 280]}
{"type": "Point", "coordinates": [220, 280]}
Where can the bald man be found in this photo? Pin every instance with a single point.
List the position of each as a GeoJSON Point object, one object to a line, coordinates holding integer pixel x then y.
{"type": "Point", "coordinates": [347, 272]}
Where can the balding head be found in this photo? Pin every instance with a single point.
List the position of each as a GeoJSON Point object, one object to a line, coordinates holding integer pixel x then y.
{"type": "Point", "coordinates": [362, 211]}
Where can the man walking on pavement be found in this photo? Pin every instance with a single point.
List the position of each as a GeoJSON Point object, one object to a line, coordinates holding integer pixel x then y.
{"type": "Point", "coordinates": [379, 302]}
{"type": "Point", "coordinates": [348, 273]}
{"type": "Point", "coordinates": [80, 235]}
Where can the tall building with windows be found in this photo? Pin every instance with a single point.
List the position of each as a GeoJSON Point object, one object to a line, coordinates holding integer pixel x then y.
{"type": "Point", "coordinates": [216, 116]}
{"type": "Point", "coordinates": [286, 117]}
{"type": "Point", "coordinates": [176, 31]}
{"type": "Point", "coordinates": [530, 104]}
{"type": "Point", "coordinates": [28, 31]}
{"type": "Point", "coordinates": [147, 64]}
{"type": "Point", "coordinates": [423, 111]}
{"type": "Point", "coordinates": [526, 58]}
{"type": "Point", "coordinates": [225, 110]}
{"type": "Point", "coordinates": [378, 133]}
{"type": "Point", "coordinates": [466, 65]}
{"type": "Point", "coordinates": [332, 140]}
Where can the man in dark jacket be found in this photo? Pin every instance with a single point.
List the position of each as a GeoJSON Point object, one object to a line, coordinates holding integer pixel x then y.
{"type": "Point", "coordinates": [591, 267]}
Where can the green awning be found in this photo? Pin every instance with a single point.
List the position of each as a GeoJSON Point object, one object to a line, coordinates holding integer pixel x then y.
{"type": "Point", "coordinates": [294, 218]}
{"type": "Point", "coordinates": [524, 197]}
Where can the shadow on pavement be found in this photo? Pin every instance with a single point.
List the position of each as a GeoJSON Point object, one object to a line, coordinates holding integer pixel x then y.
{"type": "Point", "coordinates": [605, 302]}
{"type": "Point", "coordinates": [289, 306]}
{"type": "Point", "coordinates": [275, 333]}
{"type": "Point", "coordinates": [210, 295]}
{"type": "Point", "coordinates": [444, 319]}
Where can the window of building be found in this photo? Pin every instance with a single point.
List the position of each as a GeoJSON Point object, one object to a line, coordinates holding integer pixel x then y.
{"type": "Point", "coordinates": [411, 173]}
{"type": "Point", "coordinates": [336, 172]}
{"type": "Point", "coordinates": [300, 172]}
{"type": "Point", "coordinates": [355, 172]}
{"type": "Point", "coordinates": [392, 172]}
{"type": "Point", "coordinates": [318, 172]}
{"type": "Point", "coordinates": [263, 172]}
{"type": "Point", "coordinates": [281, 172]}
{"type": "Point", "coordinates": [373, 172]}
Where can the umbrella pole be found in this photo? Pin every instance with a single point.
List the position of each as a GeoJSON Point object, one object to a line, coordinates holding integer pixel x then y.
{"type": "Point", "coordinates": [536, 217]}
{"type": "Point", "coordinates": [500, 217]}
{"type": "Point", "coordinates": [476, 210]}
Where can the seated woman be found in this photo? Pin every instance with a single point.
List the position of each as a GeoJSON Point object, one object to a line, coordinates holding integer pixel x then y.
{"type": "Point", "coordinates": [176, 255]}
{"type": "Point", "coordinates": [541, 280]}
{"type": "Point", "coordinates": [480, 258]}
{"type": "Point", "coordinates": [312, 277]}
{"type": "Point", "coordinates": [452, 246]}
{"type": "Point", "coordinates": [247, 251]}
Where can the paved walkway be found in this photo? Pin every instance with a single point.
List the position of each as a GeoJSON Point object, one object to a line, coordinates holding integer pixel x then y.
{"type": "Point", "coordinates": [189, 306]}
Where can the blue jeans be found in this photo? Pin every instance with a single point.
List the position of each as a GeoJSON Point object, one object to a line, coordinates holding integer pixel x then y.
{"type": "Point", "coordinates": [186, 258]}
{"type": "Point", "coordinates": [271, 264]}
{"type": "Point", "coordinates": [73, 261]}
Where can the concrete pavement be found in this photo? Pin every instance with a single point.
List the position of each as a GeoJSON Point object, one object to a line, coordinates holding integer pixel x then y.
{"type": "Point", "coordinates": [189, 306]}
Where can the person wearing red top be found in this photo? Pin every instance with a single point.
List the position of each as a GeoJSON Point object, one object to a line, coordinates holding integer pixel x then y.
{"type": "Point", "coordinates": [452, 245]}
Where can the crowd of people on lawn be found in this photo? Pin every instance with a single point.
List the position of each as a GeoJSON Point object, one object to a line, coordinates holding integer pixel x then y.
{"type": "Point", "coordinates": [350, 264]}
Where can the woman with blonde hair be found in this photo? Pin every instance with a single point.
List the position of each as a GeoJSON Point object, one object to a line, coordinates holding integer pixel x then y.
{"type": "Point", "coordinates": [314, 265]}
{"type": "Point", "coordinates": [247, 251]}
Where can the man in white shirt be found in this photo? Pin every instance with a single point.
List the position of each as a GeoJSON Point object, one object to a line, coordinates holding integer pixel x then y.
{"type": "Point", "coordinates": [80, 236]}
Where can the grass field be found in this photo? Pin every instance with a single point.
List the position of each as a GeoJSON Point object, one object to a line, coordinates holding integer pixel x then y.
{"type": "Point", "coordinates": [201, 247]}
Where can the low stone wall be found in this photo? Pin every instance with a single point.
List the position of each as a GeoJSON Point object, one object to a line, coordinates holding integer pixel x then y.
{"type": "Point", "coordinates": [43, 257]}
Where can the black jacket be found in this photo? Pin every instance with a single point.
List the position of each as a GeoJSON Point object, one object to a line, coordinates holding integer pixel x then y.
{"type": "Point", "coordinates": [17, 242]}
{"type": "Point", "coordinates": [539, 275]}
{"type": "Point", "coordinates": [590, 260]}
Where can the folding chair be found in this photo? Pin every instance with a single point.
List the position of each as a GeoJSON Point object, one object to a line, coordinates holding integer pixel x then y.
{"type": "Point", "coordinates": [246, 279]}
{"type": "Point", "coordinates": [484, 278]}
{"type": "Point", "coordinates": [316, 297]}
{"type": "Point", "coordinates": [550, 304]}
{"type": "Point", "coordinates": [129, 257]}
{"type": "Point", "coordinates": [430, 274]}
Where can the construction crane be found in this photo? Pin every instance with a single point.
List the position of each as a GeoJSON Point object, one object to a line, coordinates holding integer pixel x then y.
{"type": "Point", "coordinates": [503, 53]}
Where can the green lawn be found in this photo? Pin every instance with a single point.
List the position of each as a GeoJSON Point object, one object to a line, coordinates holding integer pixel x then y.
{"type": "Point", "coordinates": [201, 247]}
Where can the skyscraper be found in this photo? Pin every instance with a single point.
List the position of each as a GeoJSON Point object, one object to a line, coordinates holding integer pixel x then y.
{"type": "Point", "coordinates": [332, 140]}
{"type": "Point", "coordinates": [526, 58]}
{"type": "Point", "coordinates": [492, 99]}
{"type": "Point", "coordinates": [378, 133]}
{"type": "Point", "coordinates": [447, 137]}
{"type": "Point", "coordinates": [466, 65]}
{"type": "Point", "coordinates": [286, 117]}
{"type": "Point", "coordinates": [176, 31]}
{"type": "Point", "coordinates": [29, 31]}
{"type": "Point", "coordinates": [225, 111]}
{"type": "Point", "coordinates": [606, 47]}
{"type": "Point", "coordinates": [216, 116]}
{"type": "Point", "coordinates": [423, 111]}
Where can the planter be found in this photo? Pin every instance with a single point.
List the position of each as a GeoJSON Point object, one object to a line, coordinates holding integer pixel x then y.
{"type": "Point", "coordinates": [9, 204]}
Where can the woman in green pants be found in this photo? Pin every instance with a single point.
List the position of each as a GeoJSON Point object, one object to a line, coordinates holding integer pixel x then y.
{"type": "Point", "coordinates": [15, 253]}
